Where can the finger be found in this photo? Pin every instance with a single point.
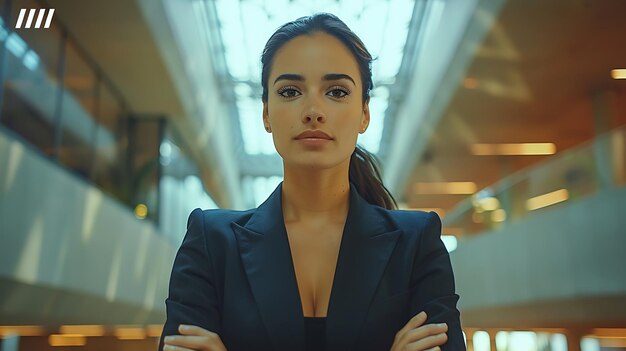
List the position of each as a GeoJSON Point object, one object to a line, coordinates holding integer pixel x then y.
{"type": "Point", "coordinates": [175, 348]}
{"type": "Point", "coordinates": [428, 329]}
{"type": "Point", "coordinates": [192, 342]}
{"type": "Point", "coordinates": [196, 342]}
{"type": "Point", "coordinates": [413, 323]}
{"type": "Point", "coordinates": [430, 341]}
{"type": "Point", "coordinates": [422, 332]}
{"type": "Point", "coordinates": [436, 348]}
{"type": "Point", "coordinates": [186, 329]}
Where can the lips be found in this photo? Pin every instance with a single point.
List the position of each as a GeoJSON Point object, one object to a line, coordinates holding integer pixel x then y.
{"type": "Point", "coordinates": [313, 134]}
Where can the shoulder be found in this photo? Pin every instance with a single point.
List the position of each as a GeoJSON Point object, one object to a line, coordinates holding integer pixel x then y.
{"type": "Point", "coordinates": [220, 214]}
{"type": "Point", "coordinates": [413, 219]}
{"type": "Point", "coordinates": [216, 218]}
{"type": "Point", "coordinates": [417, 226]}
{"type": "Point", "coordinates": [211, 229]}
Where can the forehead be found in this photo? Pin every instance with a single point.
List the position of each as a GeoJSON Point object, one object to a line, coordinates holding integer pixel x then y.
{"type": "Point", "coordinates": [313, 56]}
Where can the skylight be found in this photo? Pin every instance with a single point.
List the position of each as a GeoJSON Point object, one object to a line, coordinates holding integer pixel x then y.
{"type": "Point", "coordinates": [246, 25]}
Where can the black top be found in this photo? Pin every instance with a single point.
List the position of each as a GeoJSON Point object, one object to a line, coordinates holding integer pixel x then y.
{"type": "Point", "coordinates": [315, 330]}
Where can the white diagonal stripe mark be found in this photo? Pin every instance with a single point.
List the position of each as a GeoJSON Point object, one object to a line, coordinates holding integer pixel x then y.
{"type": "Point", "coordinates": [20, 19]}
{"type": "Point", "coordinates": [40, 18]}
{"type": "Point", "coordinates": [31, 14]}
{"type": "Point", "coordinates": [49, 18]}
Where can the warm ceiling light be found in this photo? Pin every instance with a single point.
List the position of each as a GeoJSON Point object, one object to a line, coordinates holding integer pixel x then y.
{"type": "Point", "coordinates": [67, 340]}
{"type": "Point", "coordinates": [488, 203]}
{"type": "Point", "coordinates": [498, 215]}
{"type": "Point", "coordinates": [154, 330]}
{"type": "Point", "coordinates": [86, 330]}
{"type": "Point", "coordinates": [618, 73]}
{"type": "Point", "coordinates": [548, 199]}
{"type": "Point", "coordinates": [22, 330]}
{"type": "Point", "coordinates": [141, 211]}
{"type": "Point", "coordinates": [130, 333]}
{"type": "Point", "coordinates": [445, 187]}
{"type": "Point", "coordinates": [514, 149]}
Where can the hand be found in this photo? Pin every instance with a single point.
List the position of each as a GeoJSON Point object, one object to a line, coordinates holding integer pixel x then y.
{"type": "Point", "coordinates": [193, 338]}
{"type": "Point", "coordinates": [427, 337]}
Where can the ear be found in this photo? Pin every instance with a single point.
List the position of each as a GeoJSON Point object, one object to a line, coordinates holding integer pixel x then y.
{"type": "Point", "coordinates": [266, 120]}
{"type": "Point", "coordinates": [365, 120]}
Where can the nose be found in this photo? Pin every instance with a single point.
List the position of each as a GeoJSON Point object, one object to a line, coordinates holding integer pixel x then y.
{"type": "Point", "coordinates": [312, 113]}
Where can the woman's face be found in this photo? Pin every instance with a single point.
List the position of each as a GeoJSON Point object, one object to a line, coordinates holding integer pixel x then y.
{"type": "Point", "coordinates": [314, 84]}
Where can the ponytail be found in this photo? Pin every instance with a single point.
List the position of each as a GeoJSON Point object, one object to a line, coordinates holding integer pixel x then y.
{"type": "Point", "coordinates": [364, 174]}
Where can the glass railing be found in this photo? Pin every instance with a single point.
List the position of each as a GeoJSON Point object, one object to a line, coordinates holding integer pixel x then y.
{"type": "Point", "coordinates": [594, 166]}
{"type": "Point", "coordinates": [55, 98]}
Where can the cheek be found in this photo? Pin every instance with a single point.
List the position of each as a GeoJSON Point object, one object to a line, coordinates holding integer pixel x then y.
{"type": "Point", "coordinates": [280, 113]}
{"type": "Point", "coordinates": [349, 123]}
{"type": "Point", "coordinates": [283, 124]}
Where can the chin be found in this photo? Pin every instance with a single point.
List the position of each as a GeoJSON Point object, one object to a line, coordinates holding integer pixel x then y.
{"type": "Point", "coordinates": [313, 162]}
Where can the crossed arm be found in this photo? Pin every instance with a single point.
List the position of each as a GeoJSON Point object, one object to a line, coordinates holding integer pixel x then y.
{"type": "Point", "coordinates": [197, 309]}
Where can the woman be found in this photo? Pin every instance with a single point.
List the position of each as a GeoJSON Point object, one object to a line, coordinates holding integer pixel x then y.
{"type": "Point", "coordinates": [326, 262]}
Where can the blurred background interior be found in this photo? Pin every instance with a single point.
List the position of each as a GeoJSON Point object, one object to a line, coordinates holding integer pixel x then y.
{"type": "Point", "coordinates": [506, 117]}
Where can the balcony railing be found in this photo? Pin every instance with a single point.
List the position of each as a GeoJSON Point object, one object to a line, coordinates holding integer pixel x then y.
{"type": "Point", "coordinates": [595, 166]}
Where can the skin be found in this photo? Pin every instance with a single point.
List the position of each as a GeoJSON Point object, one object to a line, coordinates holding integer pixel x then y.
{"type": "Point", "coordinates": [316, 189]}
{"type": "Point", "coordinates": [315, 185]}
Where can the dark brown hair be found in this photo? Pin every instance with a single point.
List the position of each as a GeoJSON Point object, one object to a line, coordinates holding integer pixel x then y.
{"type": "Point", "coordinates": [363, 172]}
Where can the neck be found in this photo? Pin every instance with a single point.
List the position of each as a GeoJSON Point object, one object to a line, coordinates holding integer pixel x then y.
{"type": "Point", "coordinates": [313, 196]}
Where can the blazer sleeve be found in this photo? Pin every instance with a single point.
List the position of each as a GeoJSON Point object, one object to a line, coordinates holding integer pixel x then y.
{"type": "Point", "coordinates": [193, 294]}
{"type": "Point", "coordinates": [433, 288]}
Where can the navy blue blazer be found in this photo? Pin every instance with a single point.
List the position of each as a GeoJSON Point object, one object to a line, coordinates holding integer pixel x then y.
{"type": "Point", "coordinates": [234, 275]}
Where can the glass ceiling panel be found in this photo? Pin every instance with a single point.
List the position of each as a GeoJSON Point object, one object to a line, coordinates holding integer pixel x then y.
{"type": "Point", "coordinates": [245, 26]}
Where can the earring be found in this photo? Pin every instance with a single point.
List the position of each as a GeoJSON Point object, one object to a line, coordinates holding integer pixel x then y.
{"type": "Point", "coordinates": [269, 130]}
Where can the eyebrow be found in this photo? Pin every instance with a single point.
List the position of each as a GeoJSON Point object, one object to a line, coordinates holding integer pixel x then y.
{"type": "Point", "coordinates": [326, 77]}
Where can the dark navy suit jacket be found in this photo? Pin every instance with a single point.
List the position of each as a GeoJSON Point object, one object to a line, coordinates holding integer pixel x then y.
{"type": "Point", "coordinates": [234, 275]}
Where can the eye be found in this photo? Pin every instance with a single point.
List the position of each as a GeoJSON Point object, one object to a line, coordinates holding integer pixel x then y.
{"type": "Point", "coordinates": [339, 92]}
{"type": "Point", "coordinates": [288, 92]}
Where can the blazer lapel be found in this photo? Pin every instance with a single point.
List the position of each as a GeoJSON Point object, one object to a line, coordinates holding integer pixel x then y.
{"type": "Point", "coordinates": [266, 257]}
{"type": "Point", "coordinates": [367, 242]}
{"type": "Point", "coordinates": [366, 245]}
